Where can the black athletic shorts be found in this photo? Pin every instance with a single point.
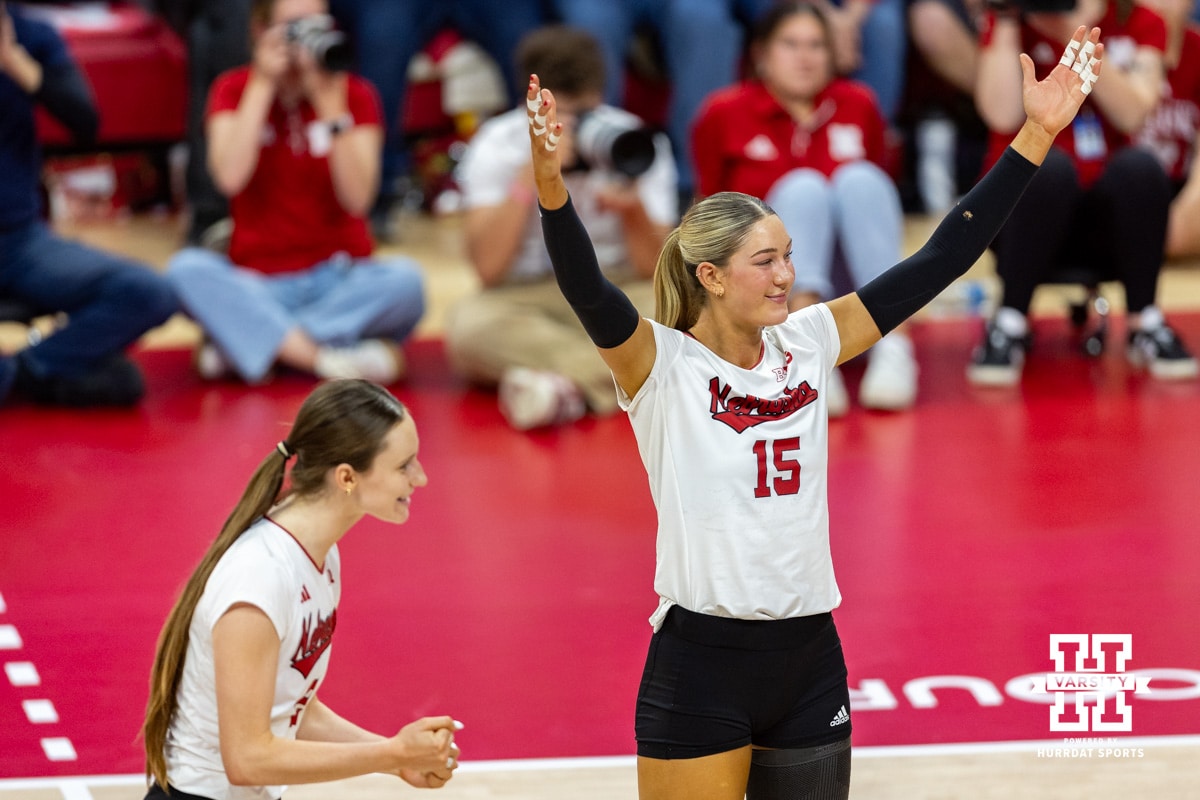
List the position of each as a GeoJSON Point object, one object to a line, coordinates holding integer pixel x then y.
{"type": "Point", "coordinates": [156, 793]}
{"type": "Point", "coordinates": [713, 684]}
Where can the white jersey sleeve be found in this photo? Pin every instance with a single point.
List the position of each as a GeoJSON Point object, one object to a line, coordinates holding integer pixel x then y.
{"type": "Point", "coordinates": [737, 461]}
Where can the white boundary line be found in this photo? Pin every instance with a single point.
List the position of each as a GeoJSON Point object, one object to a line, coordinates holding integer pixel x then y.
{"type": "Point", "coordinates": [76, 787]}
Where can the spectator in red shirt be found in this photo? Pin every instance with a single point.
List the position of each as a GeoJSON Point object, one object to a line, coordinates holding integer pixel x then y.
{"type": "Point", "coordinates": [1171, 131]}
{"type": "Point", "coordinates": [1097, 200]}
{"type": "Point", "coordinates": [812, 145]}
{"type": "Point", "coordinates": [296, 147]}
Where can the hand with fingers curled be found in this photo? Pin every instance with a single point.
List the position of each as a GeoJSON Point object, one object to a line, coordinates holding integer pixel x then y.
{"type": "Point", "coordinates": [429, 755]}
{"type": "Point", "coordinates": [1053, 102]}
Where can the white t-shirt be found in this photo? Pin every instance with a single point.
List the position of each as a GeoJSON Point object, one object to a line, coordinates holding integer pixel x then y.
{"type": "Point", "coordinates": [267, 568]}
{"type": "Point", "coordinates": [499, 154]}
{"type": "Point", "coordinates": [737, 461]}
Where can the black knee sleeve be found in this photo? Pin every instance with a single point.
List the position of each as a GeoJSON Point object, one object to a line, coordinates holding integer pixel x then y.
{"type": "Point", "coordinates": [809, 773]}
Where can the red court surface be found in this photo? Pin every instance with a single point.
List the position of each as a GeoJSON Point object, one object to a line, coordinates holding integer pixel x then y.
{"type": "Point", "coordinates": [965, 533]}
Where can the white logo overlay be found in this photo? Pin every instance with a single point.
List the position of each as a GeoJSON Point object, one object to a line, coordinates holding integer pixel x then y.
{"type": "Point", "coordinates": [1089, 671]}
{"type": "Point", "coordinates": [841, 718]}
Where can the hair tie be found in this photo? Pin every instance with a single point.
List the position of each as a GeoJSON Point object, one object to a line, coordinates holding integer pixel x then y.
{"type": "Point", "coordinates": [284, 450]}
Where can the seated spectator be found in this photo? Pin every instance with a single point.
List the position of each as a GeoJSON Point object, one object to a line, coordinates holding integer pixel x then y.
{"type": "Point", "coordinates": [388, 33]}
{"type": "Point", "coordinates": [1171, 131]}
{"type": "Point", "coordinates": [109, 301]}
{"type": "Point", "coordinates": [296, 148]}
{"type": "Point", "coordinates": [1097, 201]}
{"type": "Point", "coordinates": [519, 332]}
{"type": "Point", "coordinates": [812, 145]}
{"type": "Point", "coordinates": [704, 48]}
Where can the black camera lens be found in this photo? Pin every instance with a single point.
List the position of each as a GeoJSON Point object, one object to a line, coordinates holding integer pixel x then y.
{"type": "Point", "coordinates": [608, 139]}
{"type": "Point", "coordinates": [317, 34]}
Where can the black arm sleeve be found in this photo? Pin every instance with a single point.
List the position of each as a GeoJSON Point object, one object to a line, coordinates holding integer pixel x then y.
{"type": "Point", "coordinates": [65, 94]}
{"type": "Point", "coordinates": [958, 242]}
{"type": "Point", "coordinates": [606, 313]}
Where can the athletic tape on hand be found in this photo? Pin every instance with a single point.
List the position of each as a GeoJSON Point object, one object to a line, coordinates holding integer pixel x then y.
{"type": "Point", "coordinates": [552, 141]}
{"type": "Point", "coordinates": [1081, 63]}
{"type": "Point", "coordinates": [534, 103]}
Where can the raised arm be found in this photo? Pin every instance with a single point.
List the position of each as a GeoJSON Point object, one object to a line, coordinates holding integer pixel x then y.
{"type": "Point", "coordinates": [625, 340]}
{"type": "Point", "coordinates": [967, 230]}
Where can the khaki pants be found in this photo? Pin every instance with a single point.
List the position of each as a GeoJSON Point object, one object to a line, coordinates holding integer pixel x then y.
{"type": "Point", "coordinates": [531, 325]}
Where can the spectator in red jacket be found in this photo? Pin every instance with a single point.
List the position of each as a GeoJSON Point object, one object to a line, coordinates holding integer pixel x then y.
{"type": "Point", "coordinates": [812, 145]}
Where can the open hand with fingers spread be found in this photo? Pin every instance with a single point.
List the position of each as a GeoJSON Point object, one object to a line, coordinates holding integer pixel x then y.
{"type": "Point", "coordinates": [545, 132]}
{"type": "Point", "coordinates": [1053, 102]}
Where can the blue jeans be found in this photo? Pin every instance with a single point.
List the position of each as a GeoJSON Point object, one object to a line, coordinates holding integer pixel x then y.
{"type": "Point", "coordinates": [337, 302]}
{"type": "Point", "coordinates": [704, 41]}
{"type": "Point", "coordinates": [388, 33]}
{"type": "Point", "coordinates": [109, 301]}
{"type": "Point", "coordinates": [855, 213]}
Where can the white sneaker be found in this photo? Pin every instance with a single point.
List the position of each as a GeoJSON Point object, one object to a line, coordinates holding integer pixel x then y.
{"type": "Point", "coordinates": [371, 360]}
{"type": "Point", "coordinates": [532, 398]}
{"type": "Point", "coordinates": [890, 381]}
{"type": "Point", "coordinates": [837, 399]}
{"type": "Point", "coordinates": [209, 362]}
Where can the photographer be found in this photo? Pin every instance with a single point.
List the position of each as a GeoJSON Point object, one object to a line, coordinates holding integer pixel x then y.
{"type": "Point", "coordinates": [295, 144]}
{"type": "Point", "coordinates": [518, 332]}
{"type": "Point", "coordinates": [1098, 201]}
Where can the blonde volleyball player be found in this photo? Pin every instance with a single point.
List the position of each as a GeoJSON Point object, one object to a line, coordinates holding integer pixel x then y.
{"type": "Point", "coordinates": [234, 712]}
{"type": "Point", "coordinates": [744, 691]}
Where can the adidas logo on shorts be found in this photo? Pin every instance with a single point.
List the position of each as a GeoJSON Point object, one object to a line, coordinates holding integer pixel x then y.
{"type": "Point", "coordinates": [841, 719]}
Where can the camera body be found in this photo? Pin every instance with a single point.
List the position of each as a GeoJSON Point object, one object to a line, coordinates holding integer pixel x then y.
{"type": "Point", "coordinates": [318, 34]}
{"type": "Point", "coordinates": [606, 138]}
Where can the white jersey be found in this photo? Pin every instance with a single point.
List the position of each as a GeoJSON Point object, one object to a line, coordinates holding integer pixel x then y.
{"type": "Point", "coordinates": [737, 461]}
{"type": "Point", "coordinates": [499, 155]}
{"type": "Point", "coordinates": [267, 568]}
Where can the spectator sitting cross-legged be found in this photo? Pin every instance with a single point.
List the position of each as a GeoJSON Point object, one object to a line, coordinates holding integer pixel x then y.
{"type": "Point", "coordinates": [109, 301]}
{"type": "Point", "coordinates": [812, 145]}
{"type": "Point", "coordinates": [518, 331]}
{"type": "Point", "coordinates": [296, 147]}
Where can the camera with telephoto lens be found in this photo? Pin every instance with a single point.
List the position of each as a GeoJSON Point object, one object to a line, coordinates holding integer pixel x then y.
{"type": "Point", "coordinates": [606, 138]}
{"type": "Point", "coordinates": [318, 35]}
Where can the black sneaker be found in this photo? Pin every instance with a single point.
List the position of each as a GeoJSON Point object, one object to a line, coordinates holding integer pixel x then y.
{"type": "Point", "coordinates": [116, 381]}
{"type": "Point", "coordinates": [998, 360]}
{"type": "Point", "coordinates": [1162, 353]}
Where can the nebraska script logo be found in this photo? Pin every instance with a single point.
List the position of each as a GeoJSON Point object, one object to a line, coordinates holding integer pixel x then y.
{"type": "Point", "coordinates": [741, 412]}
{"type": "Point", "coordinates": [314, 640]}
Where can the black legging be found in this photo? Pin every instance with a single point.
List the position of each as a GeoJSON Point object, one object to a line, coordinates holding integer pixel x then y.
{"type": "Point", "coordinates": [1117, 227]}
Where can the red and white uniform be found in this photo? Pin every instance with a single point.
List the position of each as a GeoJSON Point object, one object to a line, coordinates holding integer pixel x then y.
{"type": "Point", "coordinates": [288, 217]}
{"type": "Point", "coordinates": [1170, 132]}
{"type": "Point", "coordinates": [268, 569]}
{"type": "Point", "coordinates": [744, 140]}
{"type": "Point", "coordinates": [1092, 138]}
{"type": "Point", "coordinates": [737, 463]}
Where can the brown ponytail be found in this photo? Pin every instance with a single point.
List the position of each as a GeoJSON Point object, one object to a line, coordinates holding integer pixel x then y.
{"type": "Point", "coordinates": [341, 422]}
